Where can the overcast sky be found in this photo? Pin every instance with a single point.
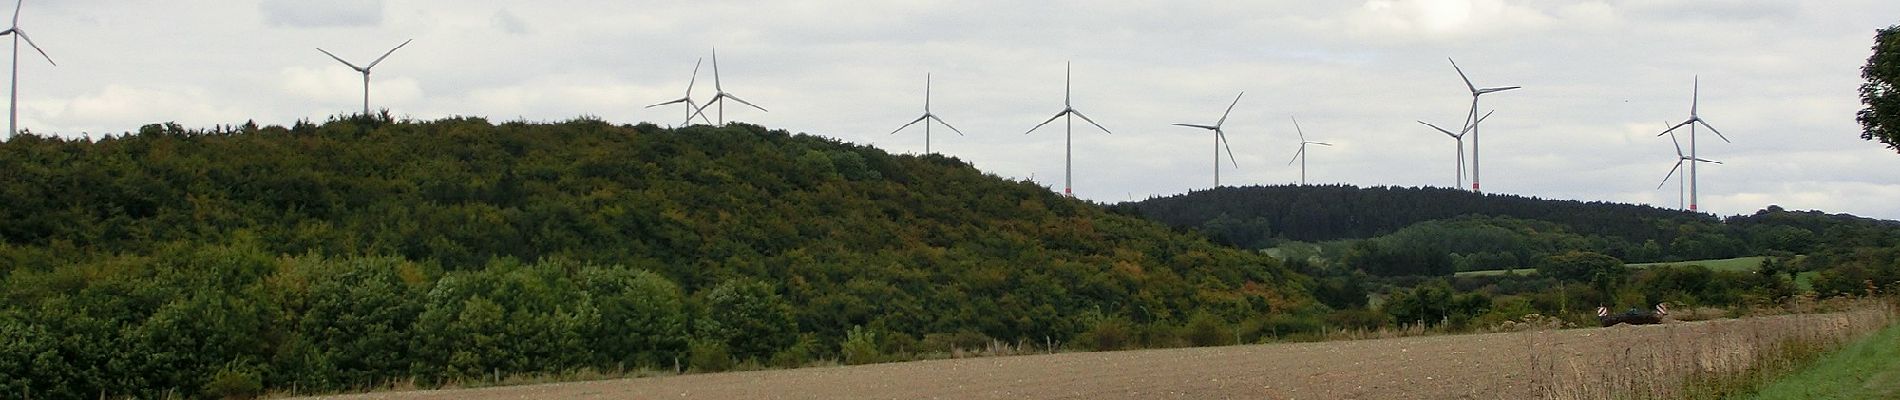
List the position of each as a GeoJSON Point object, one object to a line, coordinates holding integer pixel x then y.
{"type": "Point", "coordinates": [1779, 78]}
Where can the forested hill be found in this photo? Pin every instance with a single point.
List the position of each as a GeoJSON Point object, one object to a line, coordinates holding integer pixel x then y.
{"type": "Point", "coordinates": [1250, 216]}
{"type": "Point", "coordinates": [335, 255]}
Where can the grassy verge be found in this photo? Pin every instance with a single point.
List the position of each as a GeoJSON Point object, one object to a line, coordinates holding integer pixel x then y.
{"type": "Point", "coordinates": [1869, 369]}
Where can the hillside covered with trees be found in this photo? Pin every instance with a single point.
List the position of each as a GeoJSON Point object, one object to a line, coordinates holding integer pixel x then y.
{"type": "Point", "coordinates": [363, 251]}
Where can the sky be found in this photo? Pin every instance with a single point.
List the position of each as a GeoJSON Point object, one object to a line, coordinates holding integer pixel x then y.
{"type": "Point", "coordinates": [1600, 78]}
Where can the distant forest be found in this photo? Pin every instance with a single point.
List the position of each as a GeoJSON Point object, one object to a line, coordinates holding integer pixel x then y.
{"type": "Point", "coordinates": [1259, 217]}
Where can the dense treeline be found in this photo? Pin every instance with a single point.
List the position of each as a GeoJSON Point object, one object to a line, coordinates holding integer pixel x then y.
{"type": "Point", "coordinates": [361, 251]}
{"type": "Point", "coordinates": [1401, 247]}
{"type": "Point", "coordinates": [1262, 217]}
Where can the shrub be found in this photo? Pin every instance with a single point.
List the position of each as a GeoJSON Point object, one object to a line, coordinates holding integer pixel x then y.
{"type": "Point", "coordinates": [234, 383]}
{"type": "Point", "coordinates": [1108, 334]}
{"type": "Point", "coordinates": [860, 347]}
{"type": "Point", "coordinates": [1204, 329]}
{"type": "Point", "coordinates": [708, 356]}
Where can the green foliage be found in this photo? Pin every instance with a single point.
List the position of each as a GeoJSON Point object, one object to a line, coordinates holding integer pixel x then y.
{"type": "Point", "coordinates": [1108, 334]}
{"type": "Point", "coordinates": [1436, 303]}
{"type": "Point", "coordinates": [708, 356]}
{"type": "Point", "coordinates": [364, 251]}
{"type": "Point", "coordinates": [1880, 121]}
{"type": "Point", "coordinates": [234, 383]}
{"type": "Point", "coordinates": [749, 317]}
{"type": "Point", "coordinates": [860, 347]}
{"type": "Point", "coordinates": [1204, 329]}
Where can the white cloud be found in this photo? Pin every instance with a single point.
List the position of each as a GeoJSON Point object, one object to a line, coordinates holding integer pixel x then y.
{"type": "Point", "coordinates": [322, 14]}
{"type": "Point", "coordinates": [1413, 20]}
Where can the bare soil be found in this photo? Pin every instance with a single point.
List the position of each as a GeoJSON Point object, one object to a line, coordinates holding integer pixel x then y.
{"type": "Point", "coordinates": [1518, 365]}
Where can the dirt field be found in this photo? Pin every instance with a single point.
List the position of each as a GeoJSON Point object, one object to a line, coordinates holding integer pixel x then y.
{"type": "Point", "coordinates": [1483, 366]}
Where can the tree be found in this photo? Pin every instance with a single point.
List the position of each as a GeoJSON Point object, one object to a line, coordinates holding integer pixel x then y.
{"type": "Point", "coordinates": [1881, 93]}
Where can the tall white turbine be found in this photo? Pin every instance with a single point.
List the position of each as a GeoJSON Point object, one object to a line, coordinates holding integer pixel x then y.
{"type": "Point", "coordinates": [1471, 119]}
{"type": "Point", "coordinates": [722, 95]}
{"type": "Point", "coordinates": [1068, 135]}
{"type": "Point", "coordinates": [1695, 95]}
{"type": "Point", "coordinates": [927, 117]}
{"type": "Point", "coordinates": [1681, 158]}
{"type": "Point", "coordinates": [1460, 137]}
{"type": "Point", "coordinates": [688, 99]}
{"type": "Point", "coordinates": [13, 107]}
{"type": "Point", "coordinates": [1220, 138]}
{"type": "Point", "coordinates": [365, 69]}
{"type": "Point", "coordinates": [1301, 155]}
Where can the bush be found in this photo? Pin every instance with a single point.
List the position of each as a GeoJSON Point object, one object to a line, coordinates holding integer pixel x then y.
{"type": "Point", "coordinates": [949, 342]}
{"type": "Point", "coordinates": [1204, 329]}
{"type": "Point", "coordinates": [860, 347]}
{"type": "Point", "coordinates": [1108, 334]}
{"type": "Point", "coordinates": [234, 383]}
{"type": "Point", "coordinates": [708, 356]}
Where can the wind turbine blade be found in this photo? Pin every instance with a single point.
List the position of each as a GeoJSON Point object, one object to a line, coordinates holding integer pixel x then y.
{"type": "Point", "coordinates": [1229, 145]}
{"type": "Point", "coordinates": [1695, 92]}
{"type": "Point", "coordinates": [1092, 122]}
{"type": "Point", "coordinates": [1230, 109]}
{"type": "Point", "coordinates": [690, 82]}
{"type": "Point", "coordinates": [1678, 143]}
{"type": "Point", "coordinates": [1296, 155]}
{"type": "Point", "coordinates": [379, 60]}
{"type": "Point", "coordinates": [1322, 143]}
{"type": "Point", "coordinates": [912, 122]}
{"type": "Point", "coordinates": [340, 59]}
{"type": "Point", "coordinates": [1498, 89]}
{"type": "Point", "coordinates": [1673, 128]}
{"type": "Point", "coordinates": [945, 124]}
{"type": "Point", "coordinates": [1447, 133]}
{"type": "Point", "coordinates": [49, 59]}
{"type": "Point", "coordinates": [1461, 75]}
{"type": "Point", "coordinates": [1051, 119]}
{"type": "Point", "coordinates": [1296, 128]}
{"type": "Point", "coordinates": [681, 100]}
{"type": "Point", "coordinates": [742, 101]}
{"type": "Point", "coordinates": [16, 11]}
{"type": "Point", "coordinates": [696, 110]}
{"type": "Point", "coordinates": [1705, 124]}
{"type": "Point", "coordinates": [701, 110]}
{"type": "Point", "coordinates": [1672, 172]}
{"type": "Point", "coordinates": [715, 55]}
{"type": "Point", "coordinates": [1708, 161]}
{"type": "Point", "coordinates": [1487, 114]}
{"type": "Point", "coordinates": [1198, 126]}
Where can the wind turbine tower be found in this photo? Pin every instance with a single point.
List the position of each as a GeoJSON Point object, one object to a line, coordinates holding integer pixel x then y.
{"type": "Point", "coordinates": [722, 96]}
{"type": "Point", "coordinates": [1460, 137]}
{"type": "Point", "coordinates": [1301, 155]}
{"type": "Point", "coordinates": [1695, 95]}
{"type": "Point", "coordinates": [1220, 139]}
{"type": "Point", "coordinates": [927, 117]}
{"type": "Point", "coordinates": [1069, 111]}
{"type": "Point", "coordinates": [1682, 158]}
{"type": "Point", "coordinates": [688, 99]}
{"type": "Point", "coordinates": [1471, 119]}
{"type": "Point", "coordinates": [365, 69]}
{"type": "Point", "coordinates": [13, 107]}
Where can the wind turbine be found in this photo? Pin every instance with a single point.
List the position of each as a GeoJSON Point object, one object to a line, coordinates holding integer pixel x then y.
{"type": "Point", "coordinates": [927, 118]}
{"type": "Point", "coordinates": [1220, 138]}
{"type": "Point", "coordinates": [1471, 118]}
{"type": "Point", "coordinates": [13, 107]}
{"type": "Point", "coordinates": [365, 70]}
{"type": "Point", "coordinates": [688, 99]}
{"type": "Point", "coordinates": [1068, 110]}
{"type": "Point", "coordinates": [722, 96]}
{"type": "Point", "coordinates": [1301, 155]}
{"type": "Point", "coordinates": [1681, 158]}
{"type": "Point", "coordinates": [1460, 137]}
{"type": "Point", "coordinates": [1695, 95]}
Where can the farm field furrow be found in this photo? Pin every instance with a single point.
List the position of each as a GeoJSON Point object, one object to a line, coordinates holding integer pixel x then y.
{"type": "Point", "coordinates": [1479, 366]}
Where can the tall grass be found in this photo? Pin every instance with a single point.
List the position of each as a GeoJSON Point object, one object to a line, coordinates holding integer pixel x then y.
{"type": "Point", "coordinates": [1712, 360]}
